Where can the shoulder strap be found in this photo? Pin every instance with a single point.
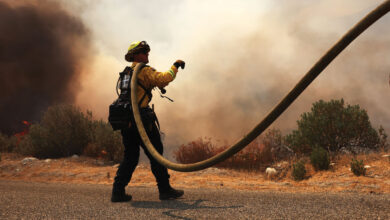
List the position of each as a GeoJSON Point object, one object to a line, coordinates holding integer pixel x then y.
{"type": "Point", "coordinates": [148, 92]}
{"type": "Point", "coordinates": [124, 82]}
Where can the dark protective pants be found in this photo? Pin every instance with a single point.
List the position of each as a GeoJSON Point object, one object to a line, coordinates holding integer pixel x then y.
{"type": "Point", "coordinates": [132, 142]}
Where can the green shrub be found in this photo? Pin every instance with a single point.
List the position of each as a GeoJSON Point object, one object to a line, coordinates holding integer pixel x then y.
{"type": "Point", "coordinates": [7, 144]}
{"type": "Point", "coordinates": [68, 129]}
{"type": "Point", "coordinates": [25, 146]}
{"type": "Point", "coordinates": [319, 158]}
{"type": "Point", "coordinates": [334, 126]}
{"type": "Point", "coordinates": [63, 131]}
{"type": "Point", "coordinates": [298, 171]}
{"type": "Point", "coordinates": [3, 142]}
{"type": "Point", "coordinates": [383, 143]}
{"type": "Point", "coordinates": [357, 167]}
{"type": "Point", "coordinates": [105, 143]}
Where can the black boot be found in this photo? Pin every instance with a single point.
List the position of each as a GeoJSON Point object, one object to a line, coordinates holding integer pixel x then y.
{"type": "Point", "coordinates": [120, 195]}
{"type": "Point", "coordinates": [170, 193]}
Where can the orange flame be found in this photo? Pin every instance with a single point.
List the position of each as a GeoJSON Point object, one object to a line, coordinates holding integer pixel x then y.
{"type": "Point", "coordinates": [26, 123]}
{"type": "Point", "coordinates": [24, 132]}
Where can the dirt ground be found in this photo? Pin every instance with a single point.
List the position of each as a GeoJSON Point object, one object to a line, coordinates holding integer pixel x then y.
{"type": "Point", "coordinates": [87, 170]}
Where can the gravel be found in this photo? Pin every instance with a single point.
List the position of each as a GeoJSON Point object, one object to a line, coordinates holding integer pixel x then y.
{"type": "Point", "coordinates": [24, 200]}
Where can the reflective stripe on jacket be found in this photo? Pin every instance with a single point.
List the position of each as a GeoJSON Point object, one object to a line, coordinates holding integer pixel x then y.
{"type": "Point", "coordinates": [151, 78]}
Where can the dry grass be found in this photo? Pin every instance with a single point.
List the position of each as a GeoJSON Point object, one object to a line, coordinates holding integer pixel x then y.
{"type": "Point", "coordinates": [254, 157]}
{"type": "Point", "coordinates": [87, 170]}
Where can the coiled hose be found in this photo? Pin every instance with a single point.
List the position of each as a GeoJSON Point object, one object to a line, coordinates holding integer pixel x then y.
{"type": "Point", "coordinates": [321, 64]}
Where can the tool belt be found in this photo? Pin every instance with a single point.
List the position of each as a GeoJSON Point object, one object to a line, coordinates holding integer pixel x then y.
{"type": "Point", "coordinates": [149, 116]}
{"type": "Point", "coordinates": [121, 116]}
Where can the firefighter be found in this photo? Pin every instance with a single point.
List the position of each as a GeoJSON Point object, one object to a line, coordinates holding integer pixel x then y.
{"type": "Point", "coordinates": [148, 79]}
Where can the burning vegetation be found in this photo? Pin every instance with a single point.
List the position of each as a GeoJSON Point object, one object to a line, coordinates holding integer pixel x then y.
{"type": "Point", "coordinates": [21, 134]}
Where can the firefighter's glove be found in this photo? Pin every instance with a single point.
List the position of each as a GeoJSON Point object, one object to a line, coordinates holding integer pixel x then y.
{"type": "Point", "coordinates": [179, 63]}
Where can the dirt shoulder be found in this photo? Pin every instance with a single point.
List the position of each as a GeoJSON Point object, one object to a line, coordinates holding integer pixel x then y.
{"type": "Point", "coordinates": [88, 170]}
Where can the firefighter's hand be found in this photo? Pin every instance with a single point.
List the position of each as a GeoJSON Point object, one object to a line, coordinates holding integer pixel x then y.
{"type": "Point", "coordinates": [179, 63]}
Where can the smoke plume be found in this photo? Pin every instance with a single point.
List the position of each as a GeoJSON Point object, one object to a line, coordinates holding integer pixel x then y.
{"type": "Point", "coordinates": [238, 78]}
{"type": "Point", "coordinates": [42, 51]}
{"type": "Point", "coordinates": [241, 57]}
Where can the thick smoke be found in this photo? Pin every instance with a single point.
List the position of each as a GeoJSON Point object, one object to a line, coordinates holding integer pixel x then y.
{"type": "Point", "coordinates": [242, 57]}
{"type": "Point", "coordinates": [238, 79]}
{"type": "Point", "coordinates": [42, 50]}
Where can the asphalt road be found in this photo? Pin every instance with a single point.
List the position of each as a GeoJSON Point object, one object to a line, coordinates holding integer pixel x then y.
{"type": "Point", "coordinates": [21, 200]}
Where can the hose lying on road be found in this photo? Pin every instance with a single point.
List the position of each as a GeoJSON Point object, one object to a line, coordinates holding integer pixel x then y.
{"type": "Point", "coordinates": [352, 34]}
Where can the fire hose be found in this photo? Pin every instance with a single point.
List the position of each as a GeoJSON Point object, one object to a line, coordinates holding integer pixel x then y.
{"type": "Point", "coordinates": [307, 79]}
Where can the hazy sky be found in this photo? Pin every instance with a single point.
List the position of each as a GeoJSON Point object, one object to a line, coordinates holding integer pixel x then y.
{"type": "Point", "coordinates": [241, 57]}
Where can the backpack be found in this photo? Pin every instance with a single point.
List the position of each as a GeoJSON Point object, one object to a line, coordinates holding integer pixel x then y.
{"type": "Point", "coordinates": [120, 111]}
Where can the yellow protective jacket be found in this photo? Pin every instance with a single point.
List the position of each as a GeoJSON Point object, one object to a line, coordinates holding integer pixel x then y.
{"type": "Point", "coordinates": [150, 78]}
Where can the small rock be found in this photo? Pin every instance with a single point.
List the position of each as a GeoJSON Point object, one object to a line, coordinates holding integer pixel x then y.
{"type": "Point", "coordinates": [28, 160]}
{"type": "Point", "coordinates": [367, 166]}
{"type": "Point", "coordinates": [332, 164]}
{"type": "Point", "coordinates": [271, 172]}
{"type": "Point", "coordinates": [47, 160]}
{"type": "Point", "coordinates": [75, 156]}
